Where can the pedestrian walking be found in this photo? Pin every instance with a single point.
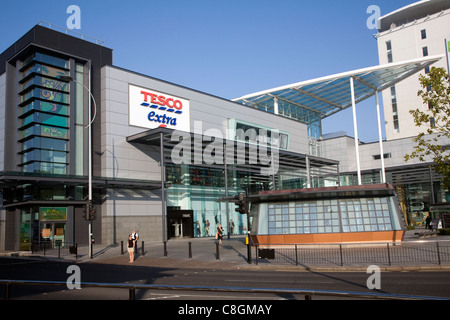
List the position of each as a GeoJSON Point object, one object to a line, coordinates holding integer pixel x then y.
{"type": "Point", "coordinates": [131, 245]}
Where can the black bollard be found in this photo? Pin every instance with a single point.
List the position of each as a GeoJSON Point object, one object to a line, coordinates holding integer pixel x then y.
{"type": "Point", "coordinates": [217, 251]}
{"type": "Point", "coordinates": [190, 250]}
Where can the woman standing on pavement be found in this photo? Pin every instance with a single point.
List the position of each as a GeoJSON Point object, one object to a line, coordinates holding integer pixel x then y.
{"type": "Point", "coordinates": [131, 244]}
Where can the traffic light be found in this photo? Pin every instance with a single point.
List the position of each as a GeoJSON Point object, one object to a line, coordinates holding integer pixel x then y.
{"type": "Point", "coordinates": [241, 203]}
{"type": "Point", "coordinates": [87, 210]}
{"type": "Point", "coordinates": [90, 213]}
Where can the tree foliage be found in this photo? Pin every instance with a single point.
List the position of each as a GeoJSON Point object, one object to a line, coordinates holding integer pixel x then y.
{"type": "Point", "coordinates": [435, 93]}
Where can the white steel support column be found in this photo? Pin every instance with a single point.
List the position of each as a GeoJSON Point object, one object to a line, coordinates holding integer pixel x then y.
{"type": "Point", "coordinates": [275, 105]}
{"type": "Point", "coordinates": [90, 161]}
{"type": "Point", "coordinates": [308, 172]}
{"type": "Point", "coordinates": [163, 191]}
{"type": "Point", "coordinates": [355, 128]}
{"type": "Point", "coordinates": [380, 139]}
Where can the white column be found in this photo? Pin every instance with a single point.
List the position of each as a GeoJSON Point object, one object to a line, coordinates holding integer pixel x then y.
{"type": "Point", "coordinates": [380, 140]}
{"type": "Point", "coordinates": [275, 105]}
{"type": "Point", "coordinates": [355, 128]}
{"type": "Point", "coordinates": [308, 172]}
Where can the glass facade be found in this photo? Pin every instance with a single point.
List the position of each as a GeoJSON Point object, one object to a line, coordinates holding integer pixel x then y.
{"type": "Point", "coordinates": [254, 133]}
{"type": "Point", "coordinates": [305, 115]}
{"type": "Point", "coordinates": [197, 189]}
{"type": "Point", "coordinates": [47, 136]}
{"type": "Point", "coordinates": [44, 115]}
{"type": "Point", "coordinates": [327, 216]}
{"type": "Point", "coordinates": [417, 189]}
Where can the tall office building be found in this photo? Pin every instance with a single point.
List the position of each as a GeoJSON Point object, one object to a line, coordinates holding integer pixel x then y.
{"type": "Point", "coordinates": [418, 30]}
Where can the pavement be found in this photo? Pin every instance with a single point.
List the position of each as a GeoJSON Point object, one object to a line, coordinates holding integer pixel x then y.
{"type": "Point", "coordinates": [232, 255]}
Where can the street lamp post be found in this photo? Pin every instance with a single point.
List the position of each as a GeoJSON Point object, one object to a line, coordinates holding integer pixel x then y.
{"type": "Point", "coordinates": [70, 79]}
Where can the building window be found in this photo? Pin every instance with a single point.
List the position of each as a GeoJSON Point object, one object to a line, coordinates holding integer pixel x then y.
{"type": "Point", "coordinates": [304, 217]}
{"type": "Point", "coordinates": [423, 34]}
{"type": "Point", "coordinates": [256, 134]}
{"type": "Point", "coordinates": [425, 51]}
{"type": "Point", "coordinates": [432, 123]}
{"type": "Point", "coordinates": [389, 51]}
{"type": "Point", "coordinates": [396, 124]}
{"type": "Point", "coordinates": [385, 156]}
{"type": "Point", "coordinates": [394, 110]}
{"type": "Point", "coordinates": [371, 214]}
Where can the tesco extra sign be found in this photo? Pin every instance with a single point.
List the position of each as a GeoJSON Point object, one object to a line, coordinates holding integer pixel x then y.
{"type": "Point", "coordinates": [152, 109]}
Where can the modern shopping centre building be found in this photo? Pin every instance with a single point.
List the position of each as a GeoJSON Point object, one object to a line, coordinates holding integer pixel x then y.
{"type": "Point", "coordinates": [155, 156]}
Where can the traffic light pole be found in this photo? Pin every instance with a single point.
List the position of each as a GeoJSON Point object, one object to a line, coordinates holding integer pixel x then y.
{"type": "Point", "coordinates": [241, 201]}
{"type": "Point", "coordinates": [249, 250]}
{"type": "Point", "coordinates": [91, 120]}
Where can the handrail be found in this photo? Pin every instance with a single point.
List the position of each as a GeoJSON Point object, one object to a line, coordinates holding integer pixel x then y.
{"type": "Point", "coordinates": [308, 293]}
{"type": "Point", "coordinates": [341, 253]}
{"type": "Point", "coordinates": [383, 243]}
{"type": "Point", "coordinates": [70, 32]}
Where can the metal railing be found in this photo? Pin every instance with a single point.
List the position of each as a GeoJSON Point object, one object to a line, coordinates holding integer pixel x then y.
{"type": "Point", "coordinates": [434, 252]}
{"type": "Point", "coordinates": [54, 248]}
{"type": "Point", "coordinates": [70, 32]}
{"type": "Point", "coordinates": [307, 293]}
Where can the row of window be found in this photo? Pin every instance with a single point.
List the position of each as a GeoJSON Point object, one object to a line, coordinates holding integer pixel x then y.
{"type": "Point", "coordinates": [327, 216]}
{"type": "Point", "coordinates": [44, 111]}
{"type": "Point", "coordinates": [44, 131]}
{"type": "Point", "coordinates": [256, 135]}
{"type": "Point", "coordinates": [423, 35]}
{"type": "Point", "coordinates": [44, 106]}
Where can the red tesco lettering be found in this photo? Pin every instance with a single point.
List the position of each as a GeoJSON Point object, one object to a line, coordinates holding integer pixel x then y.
{"type": "Point", "coordinates": [162, 100]}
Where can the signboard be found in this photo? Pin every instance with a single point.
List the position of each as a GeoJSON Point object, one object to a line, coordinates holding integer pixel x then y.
{"type": "Point", "coordinates": [152, 109]}
{"type": "Point", "coordinates": [46, 233]}
{"type": "Point", "coordinates": [53, 214]}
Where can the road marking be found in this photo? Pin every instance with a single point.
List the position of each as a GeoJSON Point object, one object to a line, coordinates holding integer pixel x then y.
{"type": "Point", "coordinates": [278, 281]}
{"type": "Point", "coordinates": [163, 297]}
{"type": "Point", "coordinates": [221, 297]}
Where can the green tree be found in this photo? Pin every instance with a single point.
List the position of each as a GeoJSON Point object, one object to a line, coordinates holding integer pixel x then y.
{"type": "Point", "coordinates": [435, 93]}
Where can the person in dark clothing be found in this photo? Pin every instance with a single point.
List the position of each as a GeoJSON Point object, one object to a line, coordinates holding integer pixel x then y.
{"type": "Point", "coordinates": [220, 233]}
{"type": "Point", "coordinates": [131, 244]}
{"type": "Point", "coordinates": [428, 222]}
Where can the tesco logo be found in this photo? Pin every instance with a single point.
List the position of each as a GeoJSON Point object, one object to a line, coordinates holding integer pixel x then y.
{"type": "Point", "coordinates": [152, 109]}
{"type": "Point", "coordinates": [152, 98]}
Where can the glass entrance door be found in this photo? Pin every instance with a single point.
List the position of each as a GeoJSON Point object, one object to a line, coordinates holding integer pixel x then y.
{"type": "Point", "coordinates": [54, 233]}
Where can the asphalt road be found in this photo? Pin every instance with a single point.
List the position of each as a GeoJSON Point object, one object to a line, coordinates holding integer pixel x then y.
{"type": "Point", "coordinates": [436, 284]}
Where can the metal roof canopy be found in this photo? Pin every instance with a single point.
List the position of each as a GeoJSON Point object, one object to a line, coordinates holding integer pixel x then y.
{"type": "Point", "coordinates": [331, 94]}
{"type": "Point", "coordinates": [328, 95]}
{"type": "Point", "coordinates": [288, 163]}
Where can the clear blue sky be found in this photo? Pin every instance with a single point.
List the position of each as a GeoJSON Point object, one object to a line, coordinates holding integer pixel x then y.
{"type": "Point", "coordinates": [225, 48]}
